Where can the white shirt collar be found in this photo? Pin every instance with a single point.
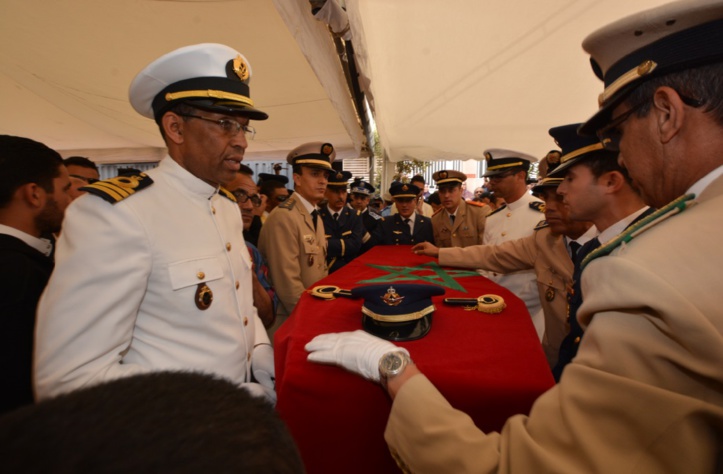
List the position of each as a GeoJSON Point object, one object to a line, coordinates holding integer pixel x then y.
{"type": "Point", "coordinates": [41, 245]}
{"type": "Point", "coordinates": [589, 234]}
{"type": "Point", "coordinates": [307, 205]}
{"type": "Point", "coordinates": [186, 179]}
{"type": "Point", "coordinates": [703, 182]}
{"type": "Point", "coordinates": [332, 211]}
{"type": "Point", "coordinates": [411, 218]}
{"type": "Point", "coordinates": [620, 225]}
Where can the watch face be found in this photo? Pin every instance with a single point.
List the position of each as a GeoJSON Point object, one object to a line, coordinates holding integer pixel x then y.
{"type": "Point", "coordinates": [393, 363]}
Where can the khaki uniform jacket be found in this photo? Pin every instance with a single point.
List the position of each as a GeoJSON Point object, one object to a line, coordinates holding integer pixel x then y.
{"type": "Point", "coordinates": [543, 251]}
{"type": "Point", "coordinates": [468, 228]}
{"type": "Point", "coordinates": [295, 252]}
{"type": "Point", "coordinates": [644, 392]}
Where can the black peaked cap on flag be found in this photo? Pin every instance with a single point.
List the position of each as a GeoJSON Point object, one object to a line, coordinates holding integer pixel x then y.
{"type": "Point", "coordinates": [397, 312]}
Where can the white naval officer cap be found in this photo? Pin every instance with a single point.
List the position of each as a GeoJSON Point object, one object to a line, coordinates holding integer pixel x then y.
{"type": "Point", "coordinates": [210, 76]}
{"type": "Point", "coordinates": [500, 160]}
{"type": "Point", "coordinates": [672, 37]}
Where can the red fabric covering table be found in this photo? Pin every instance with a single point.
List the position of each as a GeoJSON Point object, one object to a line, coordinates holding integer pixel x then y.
{"type": "Point", "coordinates": [489, 366]}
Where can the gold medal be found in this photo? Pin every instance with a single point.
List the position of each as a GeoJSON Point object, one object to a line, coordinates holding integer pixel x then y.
{"type": "Point", "coordinates": [550, 293]}
{"type": "Point", "coordinates": [204, 296]}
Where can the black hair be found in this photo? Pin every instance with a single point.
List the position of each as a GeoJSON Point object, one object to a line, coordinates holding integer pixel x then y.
{"type": "Point", "coordinates": [243, 169]}
{"type": "Point", "coordinates": [162, 422]}
{"type": "Point", "coordinates": [24, 161]}
{"type": "Point", "coordinates": [700, 83]}
{"type": "Point", "coordinates": [267, 187]}
{"type": "Point", "coordinates": [81, 161]}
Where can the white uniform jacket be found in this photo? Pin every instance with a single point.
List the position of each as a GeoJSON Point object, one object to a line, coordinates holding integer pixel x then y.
{"type": "Point", "coordinates": [122, 299]}
{"type": "Point", "coordinates": [512, 222]}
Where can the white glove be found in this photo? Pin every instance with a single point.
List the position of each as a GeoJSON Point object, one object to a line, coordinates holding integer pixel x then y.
{"type": "Point", "coordinates": [357, 351]}
{"type": "Point", "coordinates": [258, 390]}
{"type": "Point", "coordinates": [262, 366]}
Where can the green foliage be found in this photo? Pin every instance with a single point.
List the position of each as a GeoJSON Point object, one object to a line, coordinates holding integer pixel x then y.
{"type": "Point", "coordinates": [408, 168]}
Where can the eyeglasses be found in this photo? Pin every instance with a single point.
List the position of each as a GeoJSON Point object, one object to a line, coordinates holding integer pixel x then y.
{"type": "Point", "coordinates": [83, 178]}
{"type": "Point", "coordinates": [611, 134]}
{"type": "Point", "coordinates": [229, 127]}
{"type": "Point", "coordinates": [243, 197]}
{"type": "Point", "coordinates": [282, 198]}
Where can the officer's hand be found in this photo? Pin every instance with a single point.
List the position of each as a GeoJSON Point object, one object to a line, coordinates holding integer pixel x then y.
{"type": "Point", "coordinates": [258, 390]}
{"type": "Point", "coordinates": [425, 248]}
{"type": "Point", "coordinates": [357, 351]}
{"type": "Point", "coordinates": [262, 366]}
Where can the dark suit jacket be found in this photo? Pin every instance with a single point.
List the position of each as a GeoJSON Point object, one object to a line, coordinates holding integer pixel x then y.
{"type": "Point", "coordinates": [394, 231]}
{"type": "Point", "coordinates": [343, 236]}
{"type": "Point", "coordinates": [568, 348]}
{"type": "Point", "coordinates": [25, 272]}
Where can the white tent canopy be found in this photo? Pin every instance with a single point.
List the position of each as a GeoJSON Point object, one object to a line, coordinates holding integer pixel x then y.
{"type": "Point", "coordinates": [448, 79]}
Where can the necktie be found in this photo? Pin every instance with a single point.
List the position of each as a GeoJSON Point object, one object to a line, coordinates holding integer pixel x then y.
{"type": "Point", "coordinates": [336, 215]}
{"type": "Point", "coordinates": [451, 218]}
{"type": "Point", "coordinates": [314, 215]}
{"type": "Point", "coordinates": [409, 223]}
{"type": "Point", "coordinates": [574, 247]}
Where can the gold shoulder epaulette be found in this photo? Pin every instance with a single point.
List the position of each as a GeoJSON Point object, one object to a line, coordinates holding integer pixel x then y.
{"type": "Point", "coordinates": [497, 210]}
{"type": "Point", "coordinates": [475, 203]}
{"type": "Point", "coordinates": [116, 189]}
{"type": "Point", "coordinates": [288, 204]}
{"type": "Point", "coordinates": [670, 210]}
{"type": "Point", "coordinates": [226, 193]}
{"type": "Point", "coordinates": [537, 206]}
{"type": "Point", "coordinates": [437, 211]}
{"type": "Point", "coordinates": [541, 225]}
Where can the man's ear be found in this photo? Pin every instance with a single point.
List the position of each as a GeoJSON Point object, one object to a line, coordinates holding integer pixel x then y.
{"type": "Point", "coordinates": [669, 111]}
{"type": "Point", "coordinates": [173, 124]}
{"type": "Point", "coordinates": [33, 195]}
{"type": "Point", "coordinates": [613, 181]}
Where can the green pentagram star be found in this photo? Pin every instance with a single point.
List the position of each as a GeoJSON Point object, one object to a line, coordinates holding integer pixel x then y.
{"type": "Point", "coordinates": [430, 272]}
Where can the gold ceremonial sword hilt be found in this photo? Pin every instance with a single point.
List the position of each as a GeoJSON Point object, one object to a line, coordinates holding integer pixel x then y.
{"type": "Point", "coordinates": [491, 304]}
{"type": "Point", "coordinates": [329, 292]}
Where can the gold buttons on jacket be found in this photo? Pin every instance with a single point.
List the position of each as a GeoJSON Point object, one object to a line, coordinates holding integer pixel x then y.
{"type": "Point", "coordinates": [577, 340]}
{"type": "Point", "coordinates": [509, 214]}
{"type": "Point", "coordinates": [504, 233]}
{"type": "Point", "coordinates": [213, 210]}
{"type": "Point", "coordinates": [228, 246]}
{"type": "Point", "coordinates": [246, 321]}
{"type": "Point", "coordinates": [201, 275]}
{"type": "Point", "coordinates": [248, 357]}
{"type": "Point", "coordinates": [237, 284]}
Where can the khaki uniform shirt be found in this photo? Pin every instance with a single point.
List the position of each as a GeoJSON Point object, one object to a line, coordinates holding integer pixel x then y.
{"type": "Point", "coordinates": [543, 251]}
{"type": "Point", "coordinates": [468, 228]}
{"type": "Point", "coordinates": [295, 252]}
{"type": "Point", "coordinates": [644, 388]}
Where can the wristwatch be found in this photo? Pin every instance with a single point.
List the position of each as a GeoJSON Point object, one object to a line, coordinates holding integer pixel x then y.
{"type": "Point", "coordinates": [392, 364]}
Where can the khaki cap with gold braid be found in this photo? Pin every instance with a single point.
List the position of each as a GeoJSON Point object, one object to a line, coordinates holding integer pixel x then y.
{"type": "Point", "coordinates": [672, 37]}
{"type": "Point", "coordinates": [313, 154]}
